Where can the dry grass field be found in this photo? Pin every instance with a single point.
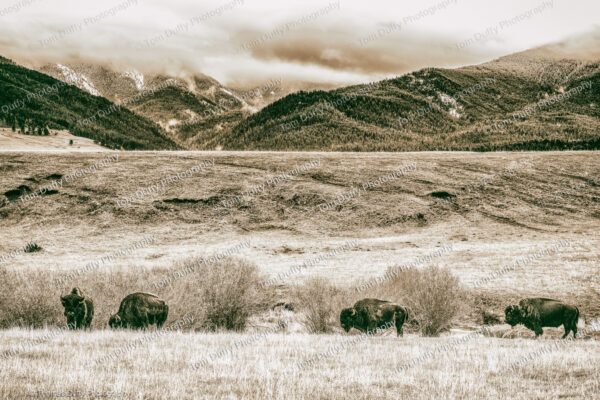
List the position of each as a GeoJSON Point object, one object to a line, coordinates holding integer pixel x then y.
{"type": "Point", "coordinates": [477, 368]}
{"type": "Point", "coordinates": [57, 140]}
{"type": "Point", "coordinates": [507, 205]}
{"type": "Point", "coordinates": [493, 209]}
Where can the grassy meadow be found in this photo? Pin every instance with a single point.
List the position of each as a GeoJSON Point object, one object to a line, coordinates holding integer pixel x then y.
{"type": "Point", "coordinates": [478, 368]}
{"type": "Point", "coordinates": [538, 212]}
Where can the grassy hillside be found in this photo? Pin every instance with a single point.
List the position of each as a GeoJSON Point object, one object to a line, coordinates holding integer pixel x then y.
{"type": "Point", "coordinates": [437, 109]}
{"type": "Point", "coordinates": [507, 205]}
{"type": "Point", "coordinates": [30, 100]}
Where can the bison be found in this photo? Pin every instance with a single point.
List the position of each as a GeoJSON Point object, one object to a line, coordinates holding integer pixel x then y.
{"type": "Point", "coordinates": [369, 314]}
{"type": "Point", "coordinates": [138, 310]}
{"type": "Point", "coordinates": [537, 313]}
{"type": "Point", "coordinates": [79, 309]}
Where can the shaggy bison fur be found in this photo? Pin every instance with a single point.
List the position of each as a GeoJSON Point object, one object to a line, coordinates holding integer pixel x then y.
{"type": "Point", "coordinates": [79, 309]}
{"type": "Point", "coordinates": [138, 310]}
{"type": "Point", "coordinates": [537, 313]}
{"type": "Point", "coordinates": [369, 314]}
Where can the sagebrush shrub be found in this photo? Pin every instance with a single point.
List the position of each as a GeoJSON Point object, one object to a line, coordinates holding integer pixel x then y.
{"type": "Point", "coordinates": [320, 302]}
{"type": "Point", "coordinates": [230, 293]}
{"type": "Point", "coordinates": [433, 295]}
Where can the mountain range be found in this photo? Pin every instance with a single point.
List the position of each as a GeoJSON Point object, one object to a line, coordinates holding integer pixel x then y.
{"type": "Point", "coordinates": [34, 103]}
{"type": "Point", "coordinates": [526, 101]}
{"type": "Point", "coordinates": [533, 100]}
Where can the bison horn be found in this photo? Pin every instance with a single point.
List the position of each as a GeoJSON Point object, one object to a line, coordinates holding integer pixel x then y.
{"type": "Point", "coordinates": [353, 312]}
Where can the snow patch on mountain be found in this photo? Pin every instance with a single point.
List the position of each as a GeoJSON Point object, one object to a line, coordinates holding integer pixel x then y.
{"type": "Point", "coordinates": [172, 123]}
{"type": "Point", "coordinates": [245, 105]}
{"type": "Point", "coordinates": [137, 77]}
{"type": "Point", "coordinates": [454, 106]}
{"type": "Point", "coordinates": [79, 80]}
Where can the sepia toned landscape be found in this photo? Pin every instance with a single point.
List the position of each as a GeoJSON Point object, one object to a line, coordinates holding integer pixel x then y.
{"type": "Point", "coordinates": [300, 200]}
{"type": "Point", "coordinates": [539, 198]}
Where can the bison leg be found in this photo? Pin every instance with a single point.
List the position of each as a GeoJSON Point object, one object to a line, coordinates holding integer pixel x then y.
{"type": "Point", "coordinates": [538, 331]}
{"type": "Point", "coordinates": [160, 320]}
{"type": "Point", "coordinates": [399, 330]}
{"type": "Point", "coordinates": [399, 322]}
{"type": "Point", "coordinates": [144, 320]}
{"type": "Point", "coordinates": [568, 328]}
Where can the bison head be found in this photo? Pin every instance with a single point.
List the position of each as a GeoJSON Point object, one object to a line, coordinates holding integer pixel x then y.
{"type": "Point", "coordinates": [73, 305]}
{"type": "Point", "coordinates": [115, 321]}
{"type": "Point", "coordinates": [347, 317]}
{"type": "Point", "coordinates": [512, 315]}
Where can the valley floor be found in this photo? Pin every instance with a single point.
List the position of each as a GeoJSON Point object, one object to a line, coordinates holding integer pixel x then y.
{"type": "Point", "coordinates": [535, 212]}
{"type": "Point", "coordinates": [331, 366]}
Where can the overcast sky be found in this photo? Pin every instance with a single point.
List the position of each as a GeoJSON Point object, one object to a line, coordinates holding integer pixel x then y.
{"type": "Point", "coordinates": [242, 42]}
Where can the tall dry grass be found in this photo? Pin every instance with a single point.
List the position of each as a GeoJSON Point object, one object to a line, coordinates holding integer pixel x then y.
{"type": "Point", "coordinates": [264, 367]}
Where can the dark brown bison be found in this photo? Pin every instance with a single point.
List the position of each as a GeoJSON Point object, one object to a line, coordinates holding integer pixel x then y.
{"type": "Point", "coordinates": [369, 314]}
{"type": "Point", "coordinates": [138, 310]}
{"type": "Point", "coordinates": [537, 313]}
{"type": "Point", "coordinates": [79, 309]}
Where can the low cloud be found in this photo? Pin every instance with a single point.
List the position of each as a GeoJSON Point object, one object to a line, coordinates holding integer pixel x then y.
{"type": "Point", "coordinates": [349, 43]}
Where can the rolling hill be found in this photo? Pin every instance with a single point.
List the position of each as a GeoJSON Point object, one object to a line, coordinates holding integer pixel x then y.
{"type": "Point", "coordinates": [512, 103]}
{"type": "Point", "coordinates": [33, 102]}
